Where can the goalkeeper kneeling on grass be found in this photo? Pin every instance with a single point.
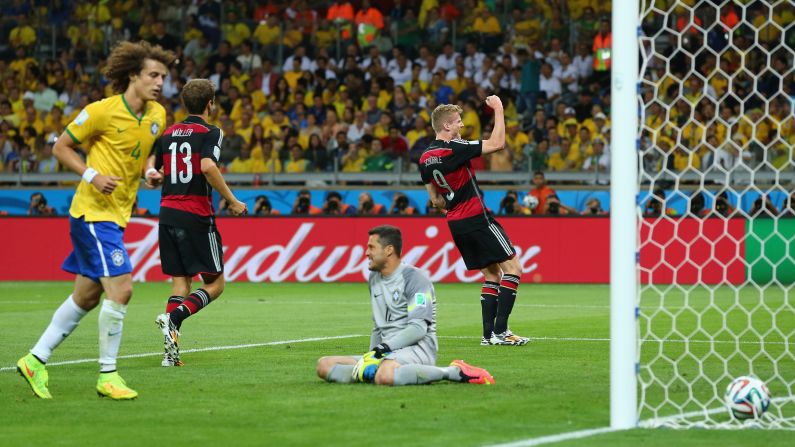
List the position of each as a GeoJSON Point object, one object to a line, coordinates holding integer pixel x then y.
{"type": "Point", "coordinates": [403, 342]}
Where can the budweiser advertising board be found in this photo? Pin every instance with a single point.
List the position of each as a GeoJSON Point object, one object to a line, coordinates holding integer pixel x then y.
{"type": "Point", "coordinates": [294, 249]}
{"type": "Point", "coordinates": [285, 249]}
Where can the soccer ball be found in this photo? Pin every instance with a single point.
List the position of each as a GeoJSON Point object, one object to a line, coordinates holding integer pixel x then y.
{"type": "Point", "coordinates": [530, 201]}
{"type": "Point", "coordinates": [747, 397]}
{"type": "Point", "coordinates": [366, 367]}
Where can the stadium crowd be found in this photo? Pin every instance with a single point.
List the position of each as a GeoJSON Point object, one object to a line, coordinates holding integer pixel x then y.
{"type": "Point", "coordinates": [309, 86]}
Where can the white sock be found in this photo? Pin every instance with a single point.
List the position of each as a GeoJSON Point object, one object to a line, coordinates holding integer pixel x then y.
{"type": "Point", "coordinates": [111, 322]}
{"type": "Point", "coordinates": [64, 321]}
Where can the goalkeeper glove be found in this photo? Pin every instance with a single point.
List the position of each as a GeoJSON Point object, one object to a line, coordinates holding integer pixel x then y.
{"type": "Point", "coordinates": [381, 350]}
{"type": "Point", "coordinates": [365, 368]}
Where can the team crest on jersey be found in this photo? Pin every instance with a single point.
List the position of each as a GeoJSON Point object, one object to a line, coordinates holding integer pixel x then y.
{"type": "Point", "coordinates": [117, 257]}
{"type": "Point", "coordinates": [395, 295]}
{"type": "Point", "coordinates": [82, 117]}
{"type": "Point", "coordinates": [154, 128]}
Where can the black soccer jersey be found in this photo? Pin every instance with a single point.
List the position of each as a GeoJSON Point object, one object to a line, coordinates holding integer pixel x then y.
{"type": "Point", "coordinates": [446, 165]}
{"type": "Point", "coordinates": [186, 197]}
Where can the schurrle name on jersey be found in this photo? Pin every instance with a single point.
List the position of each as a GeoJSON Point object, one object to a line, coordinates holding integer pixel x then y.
{"type": "Point", "coordinates": [178, 132]}
{"type": "Point", "coordinates": [432, 160]}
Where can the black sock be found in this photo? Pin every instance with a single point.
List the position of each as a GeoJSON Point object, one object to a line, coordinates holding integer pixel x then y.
{"type": "Point", "coordinates": [508, 287]}
{"type": "Point", "coordinates": [192, 304]}
{"type": "Point", "coordinates": [488, 306]}
{"type": "Point", "coordinates": [173, 302]}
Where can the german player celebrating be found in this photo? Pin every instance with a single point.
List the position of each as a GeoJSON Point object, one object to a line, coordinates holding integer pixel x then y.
{"type": "Point", "coordinates": [451, 183]}
{"type": "Point", "coordinates": [187, 155]}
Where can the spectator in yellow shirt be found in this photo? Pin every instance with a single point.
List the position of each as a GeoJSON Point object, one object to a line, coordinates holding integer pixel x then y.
{"type": "Point", "coordinates": [685, 158]}
{"type": "Point", "coordinates": [294, 74]}
{"type": "Point", "coordinates": [567, 159]}
{"type": "Point", "coordinates": [234, 30]}
{"type": "Point", "coordinates": [238, 76]}
{"type": "Point", "coordinates": [515, 139]}
{"type": "Point", "coordinates": [296, 163]}
{"type": "Point", "coordinates": [471, 121]}
{"type": "Point", "coordinates": [267, 34]}
{"type": "Point", "coordinates": [292, 35]}
{"type": "Point", "coordinates": [266, 158]}
{"type": "Point", "coordinates": [22, 35]}
{"type": "Point", "coordinates": [488, 29]}
{"type": "Point", "coordinates": [245, 127]}
{"type": "Point", "coordinates": [275, 124]}
{"type": "Point", "coordinates": [55, 121]}
{"type": "Point", "coordinates": [417, 132]}
{"type": "Point", "coordinates": [31, 119]}
{"type": "Point", "coordinates": [353, 160]}
{"type": "Point", "coordinates": [242, 164]}
{"type": "Point", "coordinates": [7, 114]}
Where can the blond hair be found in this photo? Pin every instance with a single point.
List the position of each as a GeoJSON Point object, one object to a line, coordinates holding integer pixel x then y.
{"type": "Point", "coordinates": [443, 114]}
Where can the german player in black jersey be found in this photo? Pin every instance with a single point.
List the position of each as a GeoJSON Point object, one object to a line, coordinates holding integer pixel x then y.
{"type": "Point", "coordinates": [448, 176]}
{"type": "Point", "coordinates": [190, 245]}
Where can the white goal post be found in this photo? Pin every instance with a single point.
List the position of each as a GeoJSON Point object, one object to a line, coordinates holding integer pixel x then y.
{"type": "Point", "coordinates": [623, 215]}
{"type": "Point", "coordinates": [702, 210]}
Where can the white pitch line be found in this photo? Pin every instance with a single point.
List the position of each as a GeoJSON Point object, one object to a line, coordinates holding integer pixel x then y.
{"type": "Point", "coordinates": [209, 348]}
{"type": "Point", "coordinates": [728, 342]}
{"type": "Point", "coordinates": [560, 437]}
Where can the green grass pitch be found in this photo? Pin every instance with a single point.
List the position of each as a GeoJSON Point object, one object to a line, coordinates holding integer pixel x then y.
{"type": "Point", "coordinates": [268, 394]}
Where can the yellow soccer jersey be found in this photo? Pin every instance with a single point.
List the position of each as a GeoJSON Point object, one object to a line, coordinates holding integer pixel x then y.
{"type": "Point", "coordinates": [118, 143]}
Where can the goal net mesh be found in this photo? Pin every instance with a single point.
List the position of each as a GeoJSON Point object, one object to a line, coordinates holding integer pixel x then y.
{"type": "Point", "coordinates": [716, 209]}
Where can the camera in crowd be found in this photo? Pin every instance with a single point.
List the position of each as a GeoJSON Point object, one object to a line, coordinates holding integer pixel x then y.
{"type": "Point", "coordinates": [333, 203]}
{"type": "Point", "coordinates": [593, 207]}
{"type": "Point", "coordinates": [262, 206]}
{"type": "Point", "coordinates": [38, 205]}
{"type": "Point", "coordinates": [302, 203]}
{"type": "Point", "coordinates": [402, 203]}
{"type": "Point", "coordinates": [367, 207]}
{"type": "Point", "coordinates": [510, 203]}
{"type": "Point", "coordinates": [722, 205]}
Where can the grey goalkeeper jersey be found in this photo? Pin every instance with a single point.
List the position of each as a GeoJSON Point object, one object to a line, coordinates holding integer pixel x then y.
{"type": "Point", "coordinates": [406, 298]}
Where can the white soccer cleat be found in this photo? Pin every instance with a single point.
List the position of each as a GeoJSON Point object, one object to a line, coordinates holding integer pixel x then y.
{"type": "Point", "coordinates": [170, 339]}
{"type": "Point", "coordinates": [168, 361]}
{"type": "Point", "coordinates": [508, 338]}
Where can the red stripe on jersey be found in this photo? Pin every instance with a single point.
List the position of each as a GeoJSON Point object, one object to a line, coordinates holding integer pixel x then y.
{"type": "Point", "coordinates": [182, 166]}
{"type": "Point", "coordinates": [471, 207]}
{"type": "Point", "coordinates": [460, 182]}
{"type": "Point", "coordinates": [192, 204]}
{"type": "Point", "coordinates": [182, 129]}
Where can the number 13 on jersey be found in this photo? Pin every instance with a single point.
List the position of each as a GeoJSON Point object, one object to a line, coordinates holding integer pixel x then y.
{"type": "Point", "coordinates": [186, 174]}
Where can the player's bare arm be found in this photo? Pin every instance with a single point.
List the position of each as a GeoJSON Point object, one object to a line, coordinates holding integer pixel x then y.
{"type": "Point", "coordinates": [497, 140]}
{"type": "Point", "coordinates": [64, 151]}
{"type": "Point", "coordinates": [216, 180]}
{"type": "Point", "coordinates": [436, 199]}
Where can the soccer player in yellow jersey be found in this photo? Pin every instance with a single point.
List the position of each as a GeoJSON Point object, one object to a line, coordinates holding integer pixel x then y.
{"type": "Point", "coordinates": [118, 133]}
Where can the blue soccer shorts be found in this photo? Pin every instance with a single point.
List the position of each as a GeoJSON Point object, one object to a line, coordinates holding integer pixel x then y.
{"type": "Point", "coordinates": [97, 250]}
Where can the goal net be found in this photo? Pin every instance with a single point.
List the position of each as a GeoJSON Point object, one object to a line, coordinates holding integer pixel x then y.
{"type": "Point", "coordinates": [717, 209]}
